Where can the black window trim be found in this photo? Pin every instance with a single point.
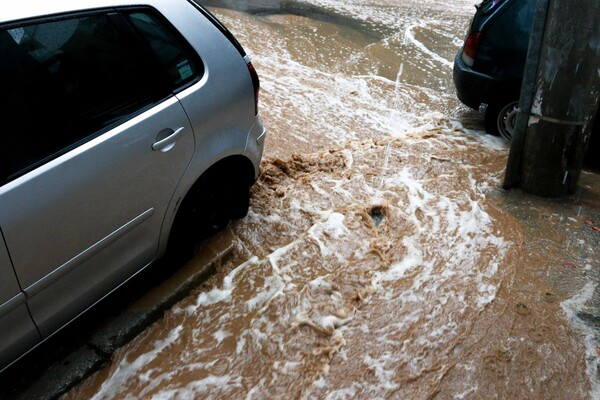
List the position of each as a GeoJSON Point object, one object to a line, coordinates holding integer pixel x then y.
{"type": "Point", "coordinates": [56, 17]}
{"type": "Point", "coordinates": [219, 25]}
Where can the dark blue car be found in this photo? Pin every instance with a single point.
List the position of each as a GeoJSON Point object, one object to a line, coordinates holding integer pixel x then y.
{"type": "Point", "coordinates": [488, 70]}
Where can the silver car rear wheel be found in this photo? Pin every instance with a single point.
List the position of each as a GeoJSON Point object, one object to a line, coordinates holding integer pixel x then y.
{"type": "Point", "coordinates": [500, 118]}
{"type": "Point", "coordinates": [506, 120]}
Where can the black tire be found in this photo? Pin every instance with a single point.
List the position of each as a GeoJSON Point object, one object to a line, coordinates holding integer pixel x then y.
{"type": "Point", "coordinates": [240, 201]}
{"type": "Point", "coordinates": [206, 210]}
{"type": "Point", "coordinates": [500, 118]}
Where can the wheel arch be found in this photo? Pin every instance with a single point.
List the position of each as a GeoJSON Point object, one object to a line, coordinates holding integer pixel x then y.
{"type": "Point", "coordinates": [226, 167]}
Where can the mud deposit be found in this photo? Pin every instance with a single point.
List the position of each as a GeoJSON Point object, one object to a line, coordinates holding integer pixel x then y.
{"type": "Point", "coordinates": [381, 269]}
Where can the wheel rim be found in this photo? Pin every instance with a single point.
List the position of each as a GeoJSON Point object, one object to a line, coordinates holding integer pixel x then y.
{"type": "Point", "coordinates": [507, 119]}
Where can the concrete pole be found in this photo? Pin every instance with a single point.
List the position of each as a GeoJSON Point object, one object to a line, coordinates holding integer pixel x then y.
{"type": "Point", "coordinates": [559, 98]}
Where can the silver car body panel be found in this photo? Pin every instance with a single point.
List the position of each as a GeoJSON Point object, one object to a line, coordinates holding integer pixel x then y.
{"type": "Point", "coordinates": [18, 331]}
{"type": "Point", "coordinates": [66, 218]}
{"type": "Point", "coordinates": [224, 121]}
{"type": "Point", "coordinates": [82, 224]}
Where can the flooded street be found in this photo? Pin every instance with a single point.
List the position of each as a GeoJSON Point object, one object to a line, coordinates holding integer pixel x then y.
{"type": "Point", "coordinates": [332, 72]}
{"type": "Point", "coordinates": [380, 257]}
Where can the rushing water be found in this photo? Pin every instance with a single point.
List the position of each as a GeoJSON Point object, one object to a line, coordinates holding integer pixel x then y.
{"type": "Point", "coordinates": [380, 259]}
{"type": "Point", "coordinates": [338, 71]}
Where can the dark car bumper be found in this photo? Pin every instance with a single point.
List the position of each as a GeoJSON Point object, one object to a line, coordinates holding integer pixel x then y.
{"type": "Point", "coordinates": [472, 88]}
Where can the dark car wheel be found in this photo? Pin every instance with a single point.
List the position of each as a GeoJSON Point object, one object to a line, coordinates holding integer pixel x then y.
{"type": "Point", "coordinates": [501, 117]}
{"type": "Point", "coordinates": [205, 213]}
{"type": "Point", "coordinates": [224, 201]}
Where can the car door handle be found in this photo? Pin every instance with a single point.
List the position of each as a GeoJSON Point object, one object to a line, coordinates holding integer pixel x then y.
{"type": "Point", "coordinates": [167, 143]}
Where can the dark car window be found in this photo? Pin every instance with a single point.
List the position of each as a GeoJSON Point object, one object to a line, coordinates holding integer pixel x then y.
{"type": "Point", "coordinates": [63, 81]}
{"type": "Point", "coordinates": [179, 61]}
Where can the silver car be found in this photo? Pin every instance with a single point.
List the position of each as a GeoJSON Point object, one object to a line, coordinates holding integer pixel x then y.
{"type": "Point", "coordinates": [127, 129]}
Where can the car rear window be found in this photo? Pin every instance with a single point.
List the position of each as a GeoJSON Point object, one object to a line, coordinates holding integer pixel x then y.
{"type": "Point", "coordinates": [173, 53]}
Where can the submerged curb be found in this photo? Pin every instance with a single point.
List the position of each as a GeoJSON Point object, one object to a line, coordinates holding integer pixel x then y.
{"type": "Point", "coordinates": [67, 373]}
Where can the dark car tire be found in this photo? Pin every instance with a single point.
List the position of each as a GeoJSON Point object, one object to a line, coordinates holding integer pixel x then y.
{"type": "Point", "coordinates": [223, 202]}
{"type": "Point", "coordinates": [500, 118]}
{"type": "Point", "coordinates": [205, 213]}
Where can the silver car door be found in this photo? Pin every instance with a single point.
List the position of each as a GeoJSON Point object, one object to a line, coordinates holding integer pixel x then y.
{"type": "Point", "coordinates": [81, 220]}
{"type": "Point", "coordinates": [81, 224]}
{"type": "Point", "coordinates": [18, 333]}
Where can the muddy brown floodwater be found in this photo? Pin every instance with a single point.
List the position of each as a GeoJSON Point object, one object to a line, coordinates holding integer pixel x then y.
{"type": "Point", "coordinates": [380, 257]}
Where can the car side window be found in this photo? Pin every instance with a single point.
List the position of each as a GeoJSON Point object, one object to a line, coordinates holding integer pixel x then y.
{"type": "Point", "coordinates": [174, 54]}
{"type": "Point", "coordinates": [64, 81]}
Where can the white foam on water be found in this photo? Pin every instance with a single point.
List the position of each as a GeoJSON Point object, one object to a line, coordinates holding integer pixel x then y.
{"type": "Point", "coordinates": [342, 394]}
{"type": "Point", "coordinates": [571, 308]}
{"type": "Point", "coordinates": [489, 141]}
{"type": "Point", "coordinates": [277, 254]}
{"type": "Point", "coordinates": [383, 373]}
{"type": "Point", "coordinates": [333, 105]}
{"type": "Point", "coordinates": [408, 34]}
{"type": "Point", "coordinates": [221, 335]}
{"type": "Point", "coordinates": [382, 12]}
{"type": "Point", "coordinates": [469, 388]}
{"type": "Point", "coordinates": [287, 367]}
{"type": "Point", "coordinates": [466, 229]}
{"type": "Point", "coordinates": [127, 370]}
{"type": "Point", "coordinates": [343, 106]}
{"type": "Point", "coordinates": [274, 286]}
{"type": "Point", "coordinates": [220, 295]}
{"type": "Point", "coordinates": [330, 230]}
{"type": "Point", "coordinates": [203, 388]}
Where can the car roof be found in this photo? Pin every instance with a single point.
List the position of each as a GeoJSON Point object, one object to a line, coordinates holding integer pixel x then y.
{"type": "Point", "coordinates": [23, 9]}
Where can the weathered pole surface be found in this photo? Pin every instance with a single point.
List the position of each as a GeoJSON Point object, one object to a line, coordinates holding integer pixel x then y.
{"type": "Point", "coordinates": [559, 98]}
{"type": "Point", "coordinates": [513, 167]}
